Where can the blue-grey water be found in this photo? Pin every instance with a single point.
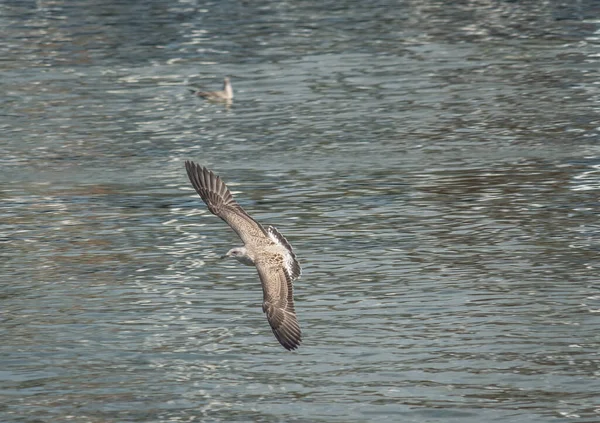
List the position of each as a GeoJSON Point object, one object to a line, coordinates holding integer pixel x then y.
{"type": "Point", "coordinates": [436, 166]}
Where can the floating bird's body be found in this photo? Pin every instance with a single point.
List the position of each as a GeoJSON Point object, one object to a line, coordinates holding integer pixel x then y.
{"type": "Point", "coordinates": [263, 247]}
{"type": "Point", "coordinates": [225, 95]}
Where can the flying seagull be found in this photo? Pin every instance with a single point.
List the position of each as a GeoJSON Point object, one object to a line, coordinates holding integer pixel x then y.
{"type": "Point", "coordinates": [225, 95]}
{"type": "Point", "coordinates": [264, 247]}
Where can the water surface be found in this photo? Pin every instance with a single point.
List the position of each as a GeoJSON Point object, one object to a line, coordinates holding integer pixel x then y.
{"type": "Point", "coordinates": [436, 168]}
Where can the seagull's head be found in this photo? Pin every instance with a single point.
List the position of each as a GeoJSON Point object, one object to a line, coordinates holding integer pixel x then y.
{"type": "Point", "coordinates": [240, 254]}
{"type": "Point", "coordinates": [227, 88]}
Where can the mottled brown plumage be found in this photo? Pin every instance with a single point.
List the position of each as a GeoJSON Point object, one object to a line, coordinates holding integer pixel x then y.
{"type": "Point", "coordinates": [264, 248]}
{"type": "Point", "coordinates": [225, 95]}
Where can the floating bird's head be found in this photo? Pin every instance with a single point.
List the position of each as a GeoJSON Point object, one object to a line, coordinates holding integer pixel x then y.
{"type": "Point", "coordinates": [227, 88]}
{"type": "Point", "coordinates": [240, 254]}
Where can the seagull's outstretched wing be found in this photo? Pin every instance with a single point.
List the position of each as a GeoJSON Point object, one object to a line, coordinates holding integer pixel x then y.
{"type": "Point", "coordinates": [278, 304]}
{"type": "Point", "coordinates": [220, 202]}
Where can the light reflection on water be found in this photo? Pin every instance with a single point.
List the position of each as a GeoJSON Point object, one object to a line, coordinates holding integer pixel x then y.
{"type": "Point", "coordinates": [437, 178]}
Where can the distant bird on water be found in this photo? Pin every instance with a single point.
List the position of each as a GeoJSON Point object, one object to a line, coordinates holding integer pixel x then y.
{"type": "Point", "coordinates": [264, 247]}
{"type": "Point", "coordinates": [225, 95]}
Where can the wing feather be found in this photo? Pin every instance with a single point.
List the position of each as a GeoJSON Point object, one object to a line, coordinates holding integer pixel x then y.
{"type": "Point", "coordinates": [278, 304]}
{"type": "Point", "coordinates": [220, 202]}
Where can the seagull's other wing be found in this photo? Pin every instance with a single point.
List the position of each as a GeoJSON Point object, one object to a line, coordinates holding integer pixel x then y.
{"type": "Point", "coordinates": [220, 202]}
{"type": "Point", "coordinates": [278, 303]}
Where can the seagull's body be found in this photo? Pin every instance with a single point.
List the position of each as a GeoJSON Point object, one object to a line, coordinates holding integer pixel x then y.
{"type": "Point", "coordinates": [263, 247]}
{"type": "Point", "coordinates": [225, 95]}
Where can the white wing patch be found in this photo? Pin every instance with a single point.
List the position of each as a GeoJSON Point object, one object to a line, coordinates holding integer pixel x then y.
{"type": "Point", "coordinates": [291, 264]}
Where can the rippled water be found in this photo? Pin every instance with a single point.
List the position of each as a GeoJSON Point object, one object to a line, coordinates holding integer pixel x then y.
{"type": "Point", "coordinates": [436, 167]}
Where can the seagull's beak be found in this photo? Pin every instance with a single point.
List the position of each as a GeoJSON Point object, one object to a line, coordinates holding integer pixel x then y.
{"type": "Point", "coordinates": [223, 257]}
